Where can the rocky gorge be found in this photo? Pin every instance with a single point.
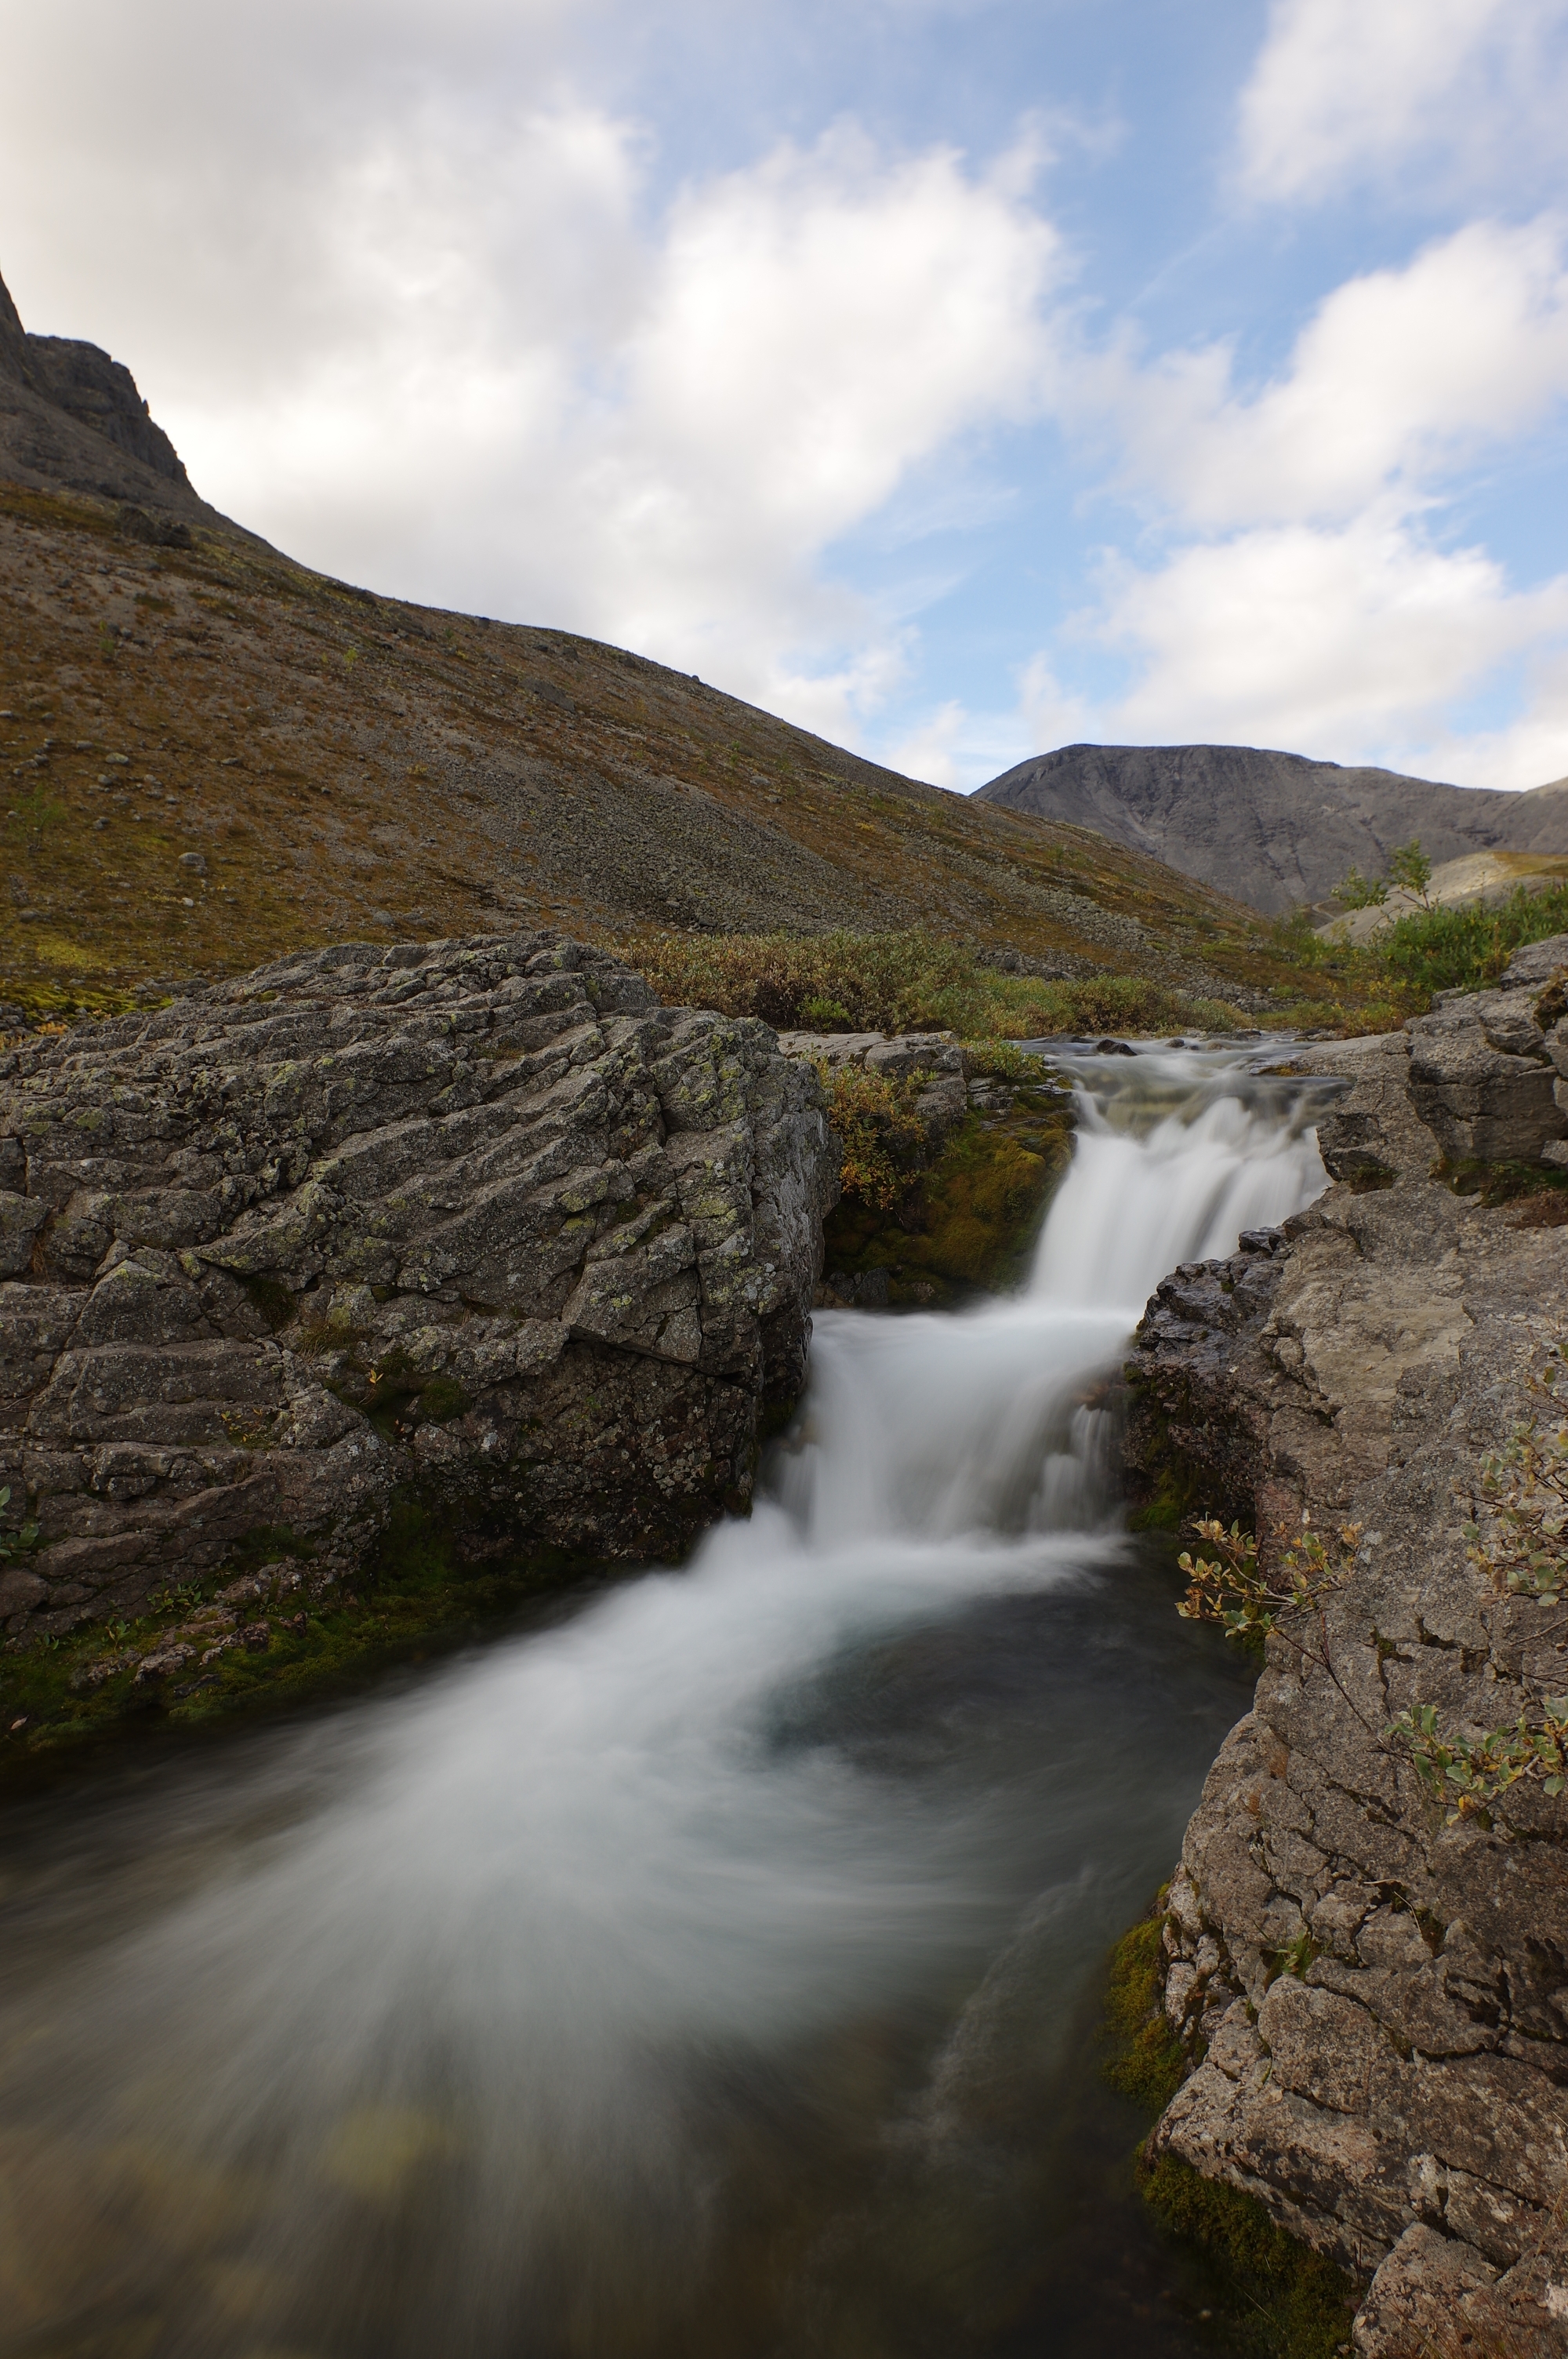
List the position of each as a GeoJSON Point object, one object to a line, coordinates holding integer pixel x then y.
{"type": "Point", "coordinates": [1370, 1976]}
{"type": "Point", "coordinates": [478, 1231]}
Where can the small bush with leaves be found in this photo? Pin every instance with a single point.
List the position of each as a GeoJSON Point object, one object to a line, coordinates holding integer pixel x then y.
{"type": "Point", "coordinates": [1525, 1486]}
{"type": "Point", "coordinates": [1465, 948]}
{"type": "Point", "coordinates": [1355, 891]}
{"type": "Point", "coordinates": [1411, 869]}
{"type": "Point", "coordinates": [907, 982]}
{"type": "Point", "coordinates": [883, 1139]}
{"type": "Point", "coordinates": [1231, 1588]}
{"type": "Point", "coordinates": [1473, 1772]}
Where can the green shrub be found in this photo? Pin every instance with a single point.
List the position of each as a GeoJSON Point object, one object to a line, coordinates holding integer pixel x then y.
{"type": "Point", "coordinates": [881, 1136]}
{"type": "Point", "coordinates": [1467, 949]}
{"type": "Point", "coordinates": [903, 983]}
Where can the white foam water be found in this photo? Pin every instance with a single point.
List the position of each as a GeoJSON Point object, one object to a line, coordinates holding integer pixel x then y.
{"type": "Point", "coordinates": [448, 2060]}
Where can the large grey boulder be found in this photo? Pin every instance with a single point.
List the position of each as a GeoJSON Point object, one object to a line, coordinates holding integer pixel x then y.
{"type": "Point", "coordinates": [478, 1224]}
{"type": "Point", "coordinates": [1376, 2002]}
{"type": "Point", "coordinates": [1487, 1068]}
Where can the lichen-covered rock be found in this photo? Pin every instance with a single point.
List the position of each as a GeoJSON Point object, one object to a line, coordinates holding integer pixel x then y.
{"type": "Point", "coordinates": [1376, 2002]}
{"type": "Point", "coordinates": [475, 1221]}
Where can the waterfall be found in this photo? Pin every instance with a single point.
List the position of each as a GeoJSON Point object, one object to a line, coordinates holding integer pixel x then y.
{"type": "Point", "coordinates": [444, 2027]}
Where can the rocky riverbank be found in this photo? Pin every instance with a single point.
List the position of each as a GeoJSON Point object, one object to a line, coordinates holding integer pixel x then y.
{"type": "Point", "coordinates": [1373, 1991]}
{"type": "Point", "coordinates": [474, 1230]}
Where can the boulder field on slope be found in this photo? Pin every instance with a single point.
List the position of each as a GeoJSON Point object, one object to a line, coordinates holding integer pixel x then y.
{"type": "Point", "coordinates": [1374, 2001]}
{"type": "Point", "coordinates": [476, 1223]}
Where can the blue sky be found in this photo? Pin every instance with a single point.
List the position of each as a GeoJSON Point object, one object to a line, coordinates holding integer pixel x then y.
{"type": "Point", "coordinates": [959, 378]}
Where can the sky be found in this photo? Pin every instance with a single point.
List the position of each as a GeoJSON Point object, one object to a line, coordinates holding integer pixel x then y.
{"type": "Point", "coordinates": [959, 378]}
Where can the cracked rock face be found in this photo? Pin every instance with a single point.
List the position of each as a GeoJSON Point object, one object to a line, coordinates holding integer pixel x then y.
{"type": "Point", "coordinates": [477, 1223]}
{"type": "Point", "coordinates": [1488, 1071]}
{"type": "Point", "coordinates": [1377, 2003]}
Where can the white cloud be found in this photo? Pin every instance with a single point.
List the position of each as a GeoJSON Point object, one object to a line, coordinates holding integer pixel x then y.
{"type": "Point", "coordinates": [1314, 638]}
{"type": "Point", "coordinates": [1345, 90]}
{"type": "Point", "coordinates": [927, 750]}
{"type": "Point", "coordinates": [1400, 376]}
{"type": "Point", "coordinates": [1051, 715]}
{"type": "Point", "coordinates": [1305, 597]}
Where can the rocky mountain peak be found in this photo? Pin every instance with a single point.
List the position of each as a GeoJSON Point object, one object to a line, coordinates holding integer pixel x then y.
{"type": "Point", "coordinates": [73, 418]}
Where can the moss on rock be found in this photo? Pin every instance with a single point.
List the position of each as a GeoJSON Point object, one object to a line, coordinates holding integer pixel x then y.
{"type": "Point", "coordinates": [1270, 2297]}
{"type": "Point", "coordinates": [1143, 2057]}
{"type": "Point", "coordinates": [1273, 2298]}
{"type": "Point", "coordinates": [967, 1224]}
{"type": "Point", "coordinates": [272, 1630]}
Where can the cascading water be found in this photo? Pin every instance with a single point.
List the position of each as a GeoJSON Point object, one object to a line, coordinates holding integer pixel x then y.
{"type": "Point", "coordinates": [677, 1977]}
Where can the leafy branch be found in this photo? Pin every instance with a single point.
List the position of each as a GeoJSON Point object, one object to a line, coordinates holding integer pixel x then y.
{"type": "Point", "coordinates": [1355, 891]}
{"type": "Point", "coordinates": [1410, 871]}
{"type": "Point", "coordinates": [1231, 1588]}
{"type": "Point", "coordinates": [1526, 1485]}
{"type": "Point", "coordinates": [1472, 1772]}
{"type": "Point", "coordinates": [1524, 1553]}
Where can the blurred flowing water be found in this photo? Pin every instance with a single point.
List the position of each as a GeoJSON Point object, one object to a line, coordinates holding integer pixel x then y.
{"type": "Point", "coordinates": [702, 1971]}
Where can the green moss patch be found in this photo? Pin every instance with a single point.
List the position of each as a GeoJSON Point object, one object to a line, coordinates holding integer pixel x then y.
{"type": "Point", "coordinates": [1271, 2297]}
{"type": "Point", "coordinates": [1510, 1183]}
{"type": "Point", "coordinates": [1266, 2295]}
{"type": "Point", "coordinates": [416, 1597]}
{"type": "Point", "coordinates": [1143, 2057]}
{"type": "Point", "coordinates": [968, 1224]}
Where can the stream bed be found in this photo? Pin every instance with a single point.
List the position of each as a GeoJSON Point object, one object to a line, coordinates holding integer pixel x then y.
{"type": "Point", "coordinates": [710, 1967]}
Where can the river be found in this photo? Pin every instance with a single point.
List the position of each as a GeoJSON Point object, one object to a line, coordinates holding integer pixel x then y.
{"type": "Point", "coordinates": [702, 1970]}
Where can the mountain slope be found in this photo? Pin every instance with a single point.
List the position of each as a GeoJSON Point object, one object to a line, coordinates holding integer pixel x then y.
{"type": "Point", "coordinates": [1273, 829]}
{"type": "Point", "coordinates": [216, 755]}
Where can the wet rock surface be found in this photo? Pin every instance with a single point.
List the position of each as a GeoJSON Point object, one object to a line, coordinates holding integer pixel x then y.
{"type": "Point", "coordinates": [1376, 2002]}
{"type": "Point", "coordinates": [477, 1223]}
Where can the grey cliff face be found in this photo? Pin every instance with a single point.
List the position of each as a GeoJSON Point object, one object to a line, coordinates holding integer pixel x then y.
{"type": "Point", "coordinates": [1272, 828]}
{"type": "Point", "coordinates": [71, 418]}
{"type": "Point", "coordinates": [1375, 2003]}
{"type": "Point", "coordinates": [476, 1222]}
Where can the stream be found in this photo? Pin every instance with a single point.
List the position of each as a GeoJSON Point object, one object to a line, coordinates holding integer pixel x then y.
{"type": "Point", "coordinates": [709, 1968]}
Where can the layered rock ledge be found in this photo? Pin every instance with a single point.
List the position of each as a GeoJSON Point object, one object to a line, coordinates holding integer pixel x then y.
{"type": "Point", "coordinates": [1376, 2002]}
{"type": "Point", "coordinates": [474, 1222]}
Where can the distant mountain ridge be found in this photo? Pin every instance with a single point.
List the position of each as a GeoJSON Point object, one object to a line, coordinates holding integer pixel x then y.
{"type": "Point", "coordinates": [1272, 828]}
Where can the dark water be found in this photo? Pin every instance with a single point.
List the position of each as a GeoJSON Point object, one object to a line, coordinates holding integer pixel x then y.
{"type": "Point", "coordinates": [940, 2170]}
